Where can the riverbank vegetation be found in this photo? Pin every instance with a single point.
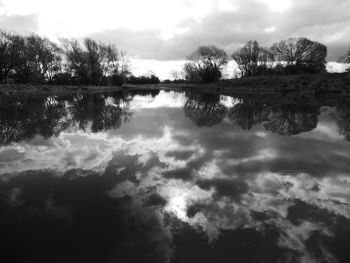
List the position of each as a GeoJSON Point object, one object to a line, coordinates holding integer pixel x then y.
{"type": "Point", "coordinates": [291, 56]}
{"type": "Point", "coordinates": [35, 60]}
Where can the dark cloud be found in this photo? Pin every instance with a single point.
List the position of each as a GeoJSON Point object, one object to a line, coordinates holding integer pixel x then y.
{"type": "Point", "coordinates": [22, 24]}
{"type": "Point", "coordinates": [180, 155]}
{"type": "Point", "coordinates": [240, 245]}
{"type": "Point", "coordinates": [324, 21]}
{"type": "Point", "coordinates": [75, 220]}
{"type": "Point", "coordinates": [232, 188]}
{"type": "Point", "coordinates": [127, 167]}
{"type": "Point", "coordinates": [293, 156]}
{"type": "Point", "coordinates": [155, 200]}
{"type": "Point", "coordinates": [182, 173]}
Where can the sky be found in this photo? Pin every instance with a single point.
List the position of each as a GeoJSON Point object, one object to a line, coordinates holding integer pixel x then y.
{"type": "Point", "coordinates": [159, 34]}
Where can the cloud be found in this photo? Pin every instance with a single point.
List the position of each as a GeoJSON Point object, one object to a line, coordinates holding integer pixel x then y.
{"type": "Point", "coordinates": [323, 21]}
{"type": "Point", "coordinates": [232, 188]}
{"type": "Point", "coordinates": [182, 173]}
{"type": "Point", "coordinates": [180, 155]}
{"type": "Point", "coordinates": [43, 206]}
{"type": "Point", "coordinates": [22, 24]}
{"type": "Point", "coordinates": [171, 31]}
{"type": "Point", "coordinates": [220, 184]}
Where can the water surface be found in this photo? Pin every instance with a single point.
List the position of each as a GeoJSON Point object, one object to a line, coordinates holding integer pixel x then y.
{"type": "Point", "coordinates": [173, 177]}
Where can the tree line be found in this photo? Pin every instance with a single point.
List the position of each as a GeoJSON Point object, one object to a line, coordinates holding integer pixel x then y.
{"type": "Point", "coordinates": [49, 116]}
{"type": "Point", "coordinates": [290, 56]}
{"type": "Point", "coordinates": [37, 60]}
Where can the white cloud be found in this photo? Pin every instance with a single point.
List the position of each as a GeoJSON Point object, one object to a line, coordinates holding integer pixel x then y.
{"type": "Point", "coordinates": [171, 30]}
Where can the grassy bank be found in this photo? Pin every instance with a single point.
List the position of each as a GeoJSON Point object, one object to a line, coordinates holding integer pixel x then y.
{"type": "Point", "coordinates": [28, 89]}
{"type": "Point", "coordinates": [305, 84]}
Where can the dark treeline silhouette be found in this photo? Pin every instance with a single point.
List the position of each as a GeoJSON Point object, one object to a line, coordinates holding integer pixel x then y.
{"type": "Point", "coordinates": [37, 60]}
{"type": "Point", "coordinates": [94, 63]}
{"type": "Point", "coordinates": [151, 79]}
{"type": "Point", "coordinates": [290, 56]}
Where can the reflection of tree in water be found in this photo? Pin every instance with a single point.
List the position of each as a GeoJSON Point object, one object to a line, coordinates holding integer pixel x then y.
{"type": "Point", "coordinates": [281, 119]}
{"type": "Point", "coordinates": [47, 117]}
{"type": "Point", "coordinates": [23, 119]}
{"type": "Point", "coordinates": [204, 109]}
{"type": "Point", "coordinates": [247, 113]}
{"type": "Point", "coordinates": [291, 119]}
{"type": "Point", "coordinates": [342, 116]}
{"type": "Point", "coordinates": [100, 111]}
{"type": "Point", "coordinates": [141, 92]}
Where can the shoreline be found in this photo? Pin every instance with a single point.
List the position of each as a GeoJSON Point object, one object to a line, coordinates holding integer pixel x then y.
{"type": "Point", "coordinates": [308, 84]}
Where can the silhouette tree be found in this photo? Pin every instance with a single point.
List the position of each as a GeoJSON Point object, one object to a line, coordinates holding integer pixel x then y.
{"type": "Point", "coordinates": [252, 59]}
{"type": "Point", "coordinates": [95, 53]}
{"type": "Point", "coordinates": [76, 61]}
{"type": "Point", "coordinates": [95, 63]}
{"type": "Point", "coordinates": [206, 64]}
{"type": "Point", "coordinates": [176, 75]}
{"type": "Point", "coordinates": [204, 109]}
{"type": "Point", "coordinates": [42, 60]}
{"type": "Point", "coordinates": [291, 119]}
{"type": "Point", "coordinates": [346, 58]}
{"type": "Point", "coordinates": [117, 65]}
{"type": "Point", "coordinates": [301, 55]}
{"type": "Point", "coordinates": [247, 113]}
{"type": "Point", "coordinates": [11, 54]}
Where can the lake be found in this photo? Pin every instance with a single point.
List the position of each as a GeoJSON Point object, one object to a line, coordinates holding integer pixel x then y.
{"type": "Point", "coordinates": [156, 176]}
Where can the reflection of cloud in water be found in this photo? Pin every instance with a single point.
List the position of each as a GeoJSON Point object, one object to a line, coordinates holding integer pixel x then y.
{"type": "Point", "coordinates": [219, 180]}
{"type": "Point", "coordinates": [171, 100]}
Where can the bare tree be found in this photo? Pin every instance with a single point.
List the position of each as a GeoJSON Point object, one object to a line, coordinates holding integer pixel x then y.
{"type": "Point", "coordinates": [95, 54]}
{"type": "Point", "coordinates": [11, 53]}
{"type": "Point", "coordinates": [346, 58]}
{"type": "Point", "coordinates": [206, 64]}
{"type": "Point", "coordinates": [301, 55]}
{"type": "Point", "coordinates": [252, 59]}
{"type": "Point", "coordinates": [96, 62]}
{"type": "Point", "coordinates": [42, 60]}
{"type": "Point", "coordinates": [76, 60]}
{"type": "Point", "coordinates": [176, 75]}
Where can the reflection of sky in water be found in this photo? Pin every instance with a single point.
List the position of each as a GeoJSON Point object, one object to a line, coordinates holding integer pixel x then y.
{"type": "Point", "coordinates": [171, 190]}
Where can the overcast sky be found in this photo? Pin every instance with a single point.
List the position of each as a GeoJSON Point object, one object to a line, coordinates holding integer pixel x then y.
{"type": "Point", "coordinates": [155, 32]}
